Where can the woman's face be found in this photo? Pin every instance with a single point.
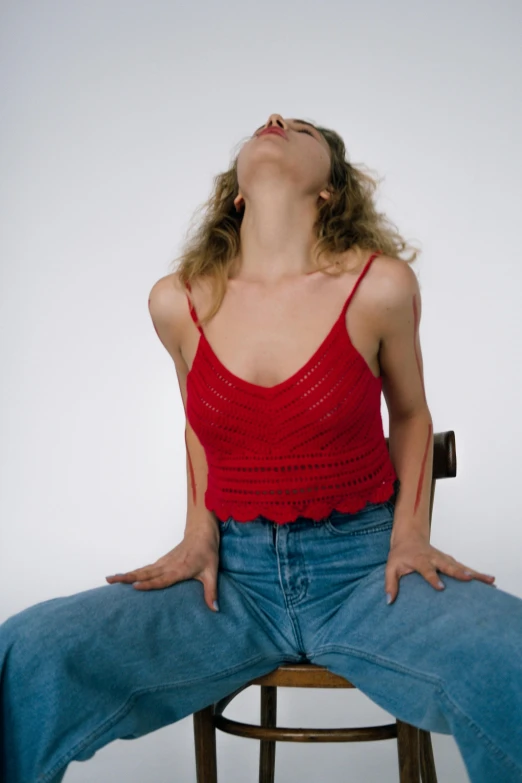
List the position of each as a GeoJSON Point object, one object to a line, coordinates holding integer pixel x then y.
{"type": "Point", "coordinates": [299, 158]}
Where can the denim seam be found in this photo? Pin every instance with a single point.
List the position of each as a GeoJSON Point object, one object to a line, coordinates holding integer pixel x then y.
{"type": "Point", "coordinates": [124, 709]}
{"type": "Point", "coordinates": [385, 662]}
{"type": "Point", "coordinates": [295, 624]}
{"type": "Point", "coordinates": [495, 750]}
{"type": "Point", "coordinates": [289, 609]}
{"type": "Point", "coordinates": [345, 534]}
{"type": "Point", "coordinates": [429, 678]}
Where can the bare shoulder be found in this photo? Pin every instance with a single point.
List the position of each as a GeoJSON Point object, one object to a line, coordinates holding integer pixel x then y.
{"type": "Point", "coordinates": [392, 277]}
{"type": "Point", "coordinates": [168, 307]}
{"type": "Point", "coordinates": [167, 288]}
{"type": "Point", "coordinates": [392, 292]}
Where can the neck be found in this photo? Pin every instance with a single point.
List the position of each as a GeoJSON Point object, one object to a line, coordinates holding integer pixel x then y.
{"type": "Point", "coordinates": [276, 238]}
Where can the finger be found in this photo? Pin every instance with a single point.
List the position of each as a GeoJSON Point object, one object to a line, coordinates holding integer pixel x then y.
{"type": "Point", "coordinates": [156, 583]}
{"type": "Point", "coordinates": [486, 579]}
{"type": "Point", "coordinates": [456, 570]}
{"type": "Point", "coordinates": [391, 586]}
{"type": "Point", "coordinates": [210, 590]}
{"type": "Point", "coordinates": [127, 577]}
{"type": "Point", "coordinates": [482, 577]}
{"type": "Point", "coordinates": [140, 573]}
{"type": "Point", "coordinates": [460, 571]}
{"type": "Point", "coordinates": [432, 577]}
{"type": "Point", "coordinates": [448, 565]}
{"type": "Point", "coordinates": [164, 578]}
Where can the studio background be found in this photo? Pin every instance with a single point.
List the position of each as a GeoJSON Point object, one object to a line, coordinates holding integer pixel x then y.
{"type": "Point", "coordinates": [116, 117]}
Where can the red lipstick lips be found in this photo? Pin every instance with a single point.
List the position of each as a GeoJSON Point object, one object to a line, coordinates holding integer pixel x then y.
{"type": "Point", "coordinates": [272, 129]}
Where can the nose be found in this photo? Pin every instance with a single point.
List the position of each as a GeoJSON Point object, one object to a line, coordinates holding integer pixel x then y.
{"type": "Point", "coordinates": [276, 119]}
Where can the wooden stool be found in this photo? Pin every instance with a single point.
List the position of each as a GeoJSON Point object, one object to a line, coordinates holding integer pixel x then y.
{"type": "Point", "coordinates": [415, 754]}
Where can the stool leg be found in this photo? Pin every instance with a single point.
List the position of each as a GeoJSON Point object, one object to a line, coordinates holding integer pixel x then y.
{"type": "Point", "coordinates": [427, 762]}
{"type": "Point", "coordinates": [205, 745]}
{"type": "Point", "coordinates": [268, 747]}
{"type": "Point", "coordinates": [408, 749]}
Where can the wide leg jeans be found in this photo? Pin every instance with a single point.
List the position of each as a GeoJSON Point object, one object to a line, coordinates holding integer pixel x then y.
{"type": "Point", "coordinates": [82, 670]}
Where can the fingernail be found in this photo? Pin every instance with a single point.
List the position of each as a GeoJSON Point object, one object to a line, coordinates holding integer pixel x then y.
{"type": "Point", "coordinates": [468, 573]}
{"type": "Point", "coordinates": [215, 605]}
{"type": "Point", "coordinates": [388, 598]}
{"type": "Point", "coordinates": [441, 584]}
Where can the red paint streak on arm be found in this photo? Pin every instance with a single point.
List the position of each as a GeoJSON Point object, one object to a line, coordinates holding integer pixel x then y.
{"type": "Point", "coordinates": [420, 484]}
{"type": "Point", "coordinates": [191, 469]}
{"type": "Point", "coordinates": [412, 440]}
{"type": "Point", "coordinates": [408, 441]}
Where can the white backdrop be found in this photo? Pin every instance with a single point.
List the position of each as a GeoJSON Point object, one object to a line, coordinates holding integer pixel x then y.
{"type": "Point", "coordinates": [116, 118]}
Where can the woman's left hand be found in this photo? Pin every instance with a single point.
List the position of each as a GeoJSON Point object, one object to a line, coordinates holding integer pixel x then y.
{"type": "Point", "coordinates": [413, 552]}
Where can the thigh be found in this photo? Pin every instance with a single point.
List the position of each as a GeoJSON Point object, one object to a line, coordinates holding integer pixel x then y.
{"type": "Point", "coordinates": [114, 662]}
{"type": "Point", "coordinates": [431, 653]}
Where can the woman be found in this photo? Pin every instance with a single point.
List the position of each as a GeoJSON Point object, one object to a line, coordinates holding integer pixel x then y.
{"type": "Point", "coordinates": [295, 526]}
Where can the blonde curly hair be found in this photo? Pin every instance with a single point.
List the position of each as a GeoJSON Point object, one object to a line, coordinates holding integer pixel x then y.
{"type": "Point", "coordinates": [349, 219]}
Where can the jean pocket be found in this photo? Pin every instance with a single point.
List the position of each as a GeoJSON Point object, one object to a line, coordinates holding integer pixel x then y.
{"type": "Point", "coordinates": [373, 518]}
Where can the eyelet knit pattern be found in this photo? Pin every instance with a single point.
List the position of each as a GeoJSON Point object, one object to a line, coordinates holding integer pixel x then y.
{"type": "Point", "coordinates": [304, 447]}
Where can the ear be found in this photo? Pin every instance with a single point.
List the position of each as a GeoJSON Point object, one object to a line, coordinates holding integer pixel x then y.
{"type": "Point", "coordinates": [237, 202]}
{"type": "Point", "coordinates": [325, 194]}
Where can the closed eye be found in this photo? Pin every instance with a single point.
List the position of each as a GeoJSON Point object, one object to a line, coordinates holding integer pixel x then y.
{"type": "Point", "coordinates": [303, 130]}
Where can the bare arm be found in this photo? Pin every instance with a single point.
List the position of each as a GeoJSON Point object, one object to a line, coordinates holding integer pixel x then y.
{"type": "Point", "coordinates": [168, 309]}
{"type": "Point", "coordinates": [197, 555]}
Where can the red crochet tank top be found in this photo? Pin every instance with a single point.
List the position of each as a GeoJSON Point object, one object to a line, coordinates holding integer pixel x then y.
{"type": "Point", "coordinates": [304, 447]}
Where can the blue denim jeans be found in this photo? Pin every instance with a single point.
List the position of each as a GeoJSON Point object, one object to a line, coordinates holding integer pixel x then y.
{"type": "Point", "coordinates": [112, 662]}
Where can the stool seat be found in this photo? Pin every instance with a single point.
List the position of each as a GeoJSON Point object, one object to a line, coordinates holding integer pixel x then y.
{"type": "Point", "coordinates": [416, 762]}
{"type": "Point", "coordinates": [303, 675]}
{"type": "Point", "coordinates": [299, 675]}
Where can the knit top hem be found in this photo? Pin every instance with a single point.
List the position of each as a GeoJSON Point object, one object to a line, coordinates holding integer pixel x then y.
{"type": "Point", "coordinates": [318, 510]}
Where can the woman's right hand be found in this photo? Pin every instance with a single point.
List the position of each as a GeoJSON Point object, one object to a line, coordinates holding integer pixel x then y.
{"type": "Point", "coordinates": [195, 557]}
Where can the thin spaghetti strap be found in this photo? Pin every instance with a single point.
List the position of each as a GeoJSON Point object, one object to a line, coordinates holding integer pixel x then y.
{"type": "Point", "coordinates": [354, 289]}
{"type": "Point", "coordinates": [192, 309]}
